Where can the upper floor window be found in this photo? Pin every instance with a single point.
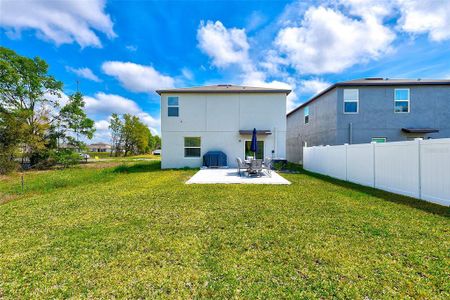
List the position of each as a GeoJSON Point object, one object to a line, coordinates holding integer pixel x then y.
{"type": "Point", "coordinates": [351, 101]}
{"type": "Point", "coordinates": [173, 109]}
{"type": "Point", "coordinates": [401, 100]}
{"type": "Point", "coordinates": [306, 114]}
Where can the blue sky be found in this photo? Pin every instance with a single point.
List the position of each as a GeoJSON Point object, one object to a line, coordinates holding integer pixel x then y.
{"type": "Point", "coordinates": [121, 51]}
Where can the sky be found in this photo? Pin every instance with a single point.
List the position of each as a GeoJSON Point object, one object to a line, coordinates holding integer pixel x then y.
{"type": "Point", "coordinates": [121, 51]}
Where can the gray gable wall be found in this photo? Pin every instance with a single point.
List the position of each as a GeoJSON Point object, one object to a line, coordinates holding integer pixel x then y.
{"type": "Point", "coordinates": [429, 108]}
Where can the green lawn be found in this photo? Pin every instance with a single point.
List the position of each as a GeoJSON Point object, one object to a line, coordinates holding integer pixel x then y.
{"type": "Point", "coordinates": [134, 231]}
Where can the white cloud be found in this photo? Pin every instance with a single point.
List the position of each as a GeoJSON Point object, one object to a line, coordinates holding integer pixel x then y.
{"type": "Point", "coordinates": [187, 73]}
{"type": "Point", "coordinates": [255, 21]}
{"type": "Point", "coordinates": [102, 125]}
{"type": "Point", "coordinates": [229, 48]}
{"type": "Point", "coordinates": [131, 48]}
{"type": "Point", "coordinates": [104, 105]}
{"type": "Point", "coordinates": [137, 78]}
{"type": "Point", "coordinates": [430, 17]}
{"type": "Point", "coordinates": [329, 42]}
{"type": "Point", "coordinates": [84, 73]}
{"type": "Point", "coordinates": [367, 9]}
{"type": "Point", "coordinates": [224, 46]}
{"type": "Point", "coordinates": [419, 16]}
{"type": "Point", "coordinates": [107, 104]}
{"type": "Point", "coordinates": [257, 79]}
{"type": "Point", "coordinates": [313, 86]}
{"type": "Point", "coordinates": [62, 22]}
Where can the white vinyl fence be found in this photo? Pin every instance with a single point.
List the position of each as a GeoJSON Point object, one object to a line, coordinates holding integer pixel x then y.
{"type": "Point", "coordinates": [419, 168]}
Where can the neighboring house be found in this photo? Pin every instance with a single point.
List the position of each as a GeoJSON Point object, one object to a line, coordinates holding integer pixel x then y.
{"type": "Point", "coordinates": [371, 109]}
{"type": "Point", "coordinates": [221, 118]}
{"type": "Point", "coordinates": [99, 147]}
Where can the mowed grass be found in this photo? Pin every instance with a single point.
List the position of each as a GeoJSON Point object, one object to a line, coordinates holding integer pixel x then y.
{"type": "Point", "coordinates": [134, 231]}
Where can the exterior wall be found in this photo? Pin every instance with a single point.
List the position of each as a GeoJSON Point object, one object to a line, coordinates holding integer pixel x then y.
{"type": "Point", "coordinates": [217, 119]}
{"type": "Point", "coordinates": [321, 129]}
{"type": "Point", "coordinates": [429, 108]}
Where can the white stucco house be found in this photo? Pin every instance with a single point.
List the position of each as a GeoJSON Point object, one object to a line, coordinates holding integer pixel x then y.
{"type": "Point", "coordinates": [221, 118]}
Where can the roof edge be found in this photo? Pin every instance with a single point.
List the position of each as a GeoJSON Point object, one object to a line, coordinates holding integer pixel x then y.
{"type": "Point", "coordinates": [287, 92]}
{"type": "Point", "coordinates": [207, 90]}
{"type": "Point", "coordinates": [350, 84]}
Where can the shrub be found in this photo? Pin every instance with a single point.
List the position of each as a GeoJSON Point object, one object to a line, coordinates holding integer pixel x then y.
{"type": "Point", "coordinates": [65, 157]}
{"type": "Point", "coordinates": [7, 165]}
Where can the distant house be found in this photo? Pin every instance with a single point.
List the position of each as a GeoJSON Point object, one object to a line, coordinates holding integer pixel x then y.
{"type": "Point", "coordinates": [99, 147]}
{"type": "Point", "coordinates": [221, 118]}
{"type": "Point", "coordinates": [370, 110]}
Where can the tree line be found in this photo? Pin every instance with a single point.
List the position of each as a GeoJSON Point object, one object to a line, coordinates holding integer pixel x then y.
{"type": "Point", "coordinates": [129, 135]}
{"type": "Point", "coordinates": [37, 128]}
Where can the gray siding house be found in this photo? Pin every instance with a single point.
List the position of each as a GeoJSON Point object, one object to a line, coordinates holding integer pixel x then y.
{"type": "Point", "coordinates": [371, 109]}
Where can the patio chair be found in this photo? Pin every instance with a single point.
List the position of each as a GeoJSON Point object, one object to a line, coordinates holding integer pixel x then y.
{"type": "Point", "coordinates": [267, 165]}
{"type": "Point", "coordinates": [241, 165]}
{"type": "Point", "coordinates": [256, 167]}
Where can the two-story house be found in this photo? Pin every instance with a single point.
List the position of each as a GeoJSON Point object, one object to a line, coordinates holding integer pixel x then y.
{"type": "Point", "coordinates": [370, 110]}
{"type": "Point", "coordinates": [221, 118]}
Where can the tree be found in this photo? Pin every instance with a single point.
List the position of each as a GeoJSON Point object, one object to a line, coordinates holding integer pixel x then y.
{"type": "Point", "coordinates": [154, 142]}
{"type": "Point", "coordinates": [30, 115]}
{"type": "Point", "coordinates": [130, 135]}
{"type": "Point", "coordinates": [26, 90]}
{"type": "Point", "coordinates": [11, 131]}
{"type": "Point", "coordinates": [73, 121]}
{"type": "Point", "coordinates": [116, 127]}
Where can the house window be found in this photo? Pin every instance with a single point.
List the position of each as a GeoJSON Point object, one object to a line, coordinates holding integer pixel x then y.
{"type": "Point", "coordinates": [192, 146]}
{"type": "Point", "coordinates": [401, 100]}
{"type": "Point", "coordinates": [351, 101]}
{"type": "Point", "coordinates": [306, 113]}
{"type": "Point", "coordinates": [259, 153]}
{"type": "Point", "coordinates": [379, 139]}
{"type": "Point", "coordinates": [172, 107]}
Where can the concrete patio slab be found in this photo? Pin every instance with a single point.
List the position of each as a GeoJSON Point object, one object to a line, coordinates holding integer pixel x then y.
{"type": "Point", "coordinates": [231, 176]}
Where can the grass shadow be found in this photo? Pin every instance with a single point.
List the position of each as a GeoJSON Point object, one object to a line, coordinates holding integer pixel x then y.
{"type": "Point", "coordinates": [387, 196]}
{"type": "Point", "coordinates": [154, 166]}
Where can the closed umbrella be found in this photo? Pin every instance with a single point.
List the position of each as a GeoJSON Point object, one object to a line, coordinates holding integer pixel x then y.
{"type": "Point", "coordinates": [254, 145]}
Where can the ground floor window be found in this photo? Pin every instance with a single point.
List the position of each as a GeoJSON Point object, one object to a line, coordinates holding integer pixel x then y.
{"type": "Point", "coordinates": [379, 139]}
{"type": "Point", "coordinates": [259, 153]}
{"type": "Point", "coordinates": [192, 147]}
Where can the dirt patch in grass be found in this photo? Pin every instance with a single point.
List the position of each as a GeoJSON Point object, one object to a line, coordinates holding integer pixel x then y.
{"type": "Point", "coordinates": [6, 198]}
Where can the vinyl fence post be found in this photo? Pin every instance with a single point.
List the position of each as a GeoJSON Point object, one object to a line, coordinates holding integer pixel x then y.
{"type": "Point", "coordinates": [346, 161]}
{"type": "Point", "coordinates": [419, 145]}
{"type": "Point", "coordinates": [374, 163]}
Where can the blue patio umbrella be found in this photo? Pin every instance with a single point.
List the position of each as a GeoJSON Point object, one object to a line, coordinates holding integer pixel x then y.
{"type": "Point", "coordinates": [254, 145]}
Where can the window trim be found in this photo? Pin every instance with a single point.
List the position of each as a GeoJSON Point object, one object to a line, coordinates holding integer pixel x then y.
{"type": "Point", "coordinates": [176, 106]}
{"type": "Point", "coordinates": [379, 138]}
{"type": "Point", "coordinates": [403, 100]}
{"type": "Point", "coordinates": [191, 147]}
{"type": "Point", "coordinates": [306, 115]}
{"type": "Point", "coordinates": [350, 101]}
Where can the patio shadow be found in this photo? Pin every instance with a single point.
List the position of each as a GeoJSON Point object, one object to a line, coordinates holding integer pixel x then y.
{"type": "Point", "coordinates": [391, 197]}
{"type": "Point", "coordinates": [138, 168]}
